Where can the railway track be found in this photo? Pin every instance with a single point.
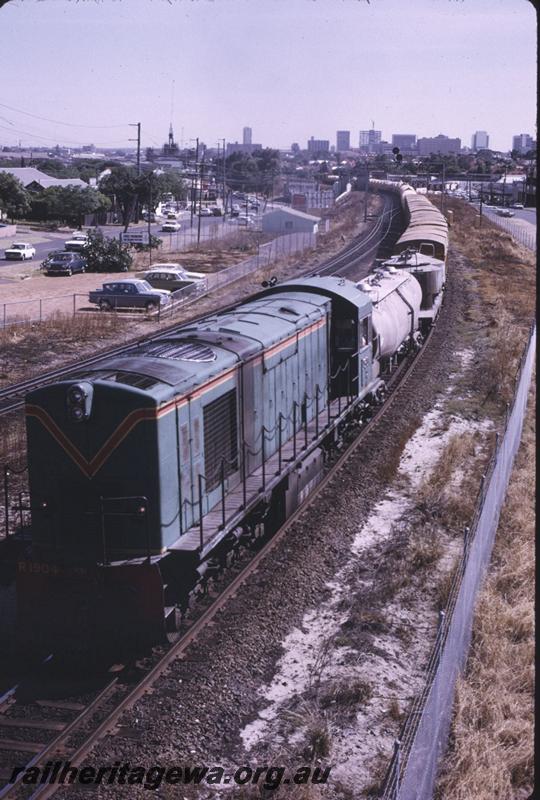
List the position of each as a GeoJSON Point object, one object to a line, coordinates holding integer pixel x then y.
{"type": "Point", "coordinates": [12, 397]}
{"type": "Point", "coordinates": [73, 739]}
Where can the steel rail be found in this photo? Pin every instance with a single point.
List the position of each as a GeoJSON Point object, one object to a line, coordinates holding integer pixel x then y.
{"type": "Point", "coordinates": [401, 376]}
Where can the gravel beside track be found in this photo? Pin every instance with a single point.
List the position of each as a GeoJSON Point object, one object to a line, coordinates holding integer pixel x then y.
{"type": "Point", "coordinates": [194, 713]}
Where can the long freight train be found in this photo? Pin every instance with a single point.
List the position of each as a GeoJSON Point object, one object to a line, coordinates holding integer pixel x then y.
{"type": "Point", "coordinates": [147, 469]}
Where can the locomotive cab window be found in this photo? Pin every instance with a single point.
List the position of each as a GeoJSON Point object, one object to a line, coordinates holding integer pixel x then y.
{"type": "Point", "coordinates": [364, 332]}
{"type": "Point", "coordinates": [344, 334]}
{"type": "Point", "coordinates": [220, 438]}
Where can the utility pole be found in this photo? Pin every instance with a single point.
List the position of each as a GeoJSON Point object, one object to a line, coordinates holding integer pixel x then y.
{"type": "Point", "coordinates": [366, 192]}
{"type": "Point", "coordinates": [200, 201]}
{"type": "Point", "coordinates": [443, 186]}
{"type": "Point", "coordinates": [193, 179]}
{"type": "Point", "coordinates": [149, 215]}
{"type": "Point", "coordinates": [138, 140]}
{"type": "Point", "coordinates": [224, 183]}
{"type": "Point", "coordinates": [137, 125]}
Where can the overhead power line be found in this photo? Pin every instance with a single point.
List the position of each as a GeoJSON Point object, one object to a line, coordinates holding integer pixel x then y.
{"type": "Point", "coordinates": [56, 141]}
{"type": "Point", "coordinates": [57, 122]}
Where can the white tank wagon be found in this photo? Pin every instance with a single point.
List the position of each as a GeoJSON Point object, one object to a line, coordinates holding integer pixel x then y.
{"type": "Point", "coordinates": [396, 297]}
{"type": "Point", "coordinates": [431, 275]}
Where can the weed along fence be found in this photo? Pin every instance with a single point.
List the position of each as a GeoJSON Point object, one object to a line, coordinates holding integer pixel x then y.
{"type": "Point", "coordinates": [524, 234]}
{"type": "Point", "coordinates": [423, 738]}
{"type": "Point", "coordinates": [40, 309]}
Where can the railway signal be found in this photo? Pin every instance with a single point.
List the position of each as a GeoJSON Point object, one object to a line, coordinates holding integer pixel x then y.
{"type": "Point", "coordinates": [399, 157]}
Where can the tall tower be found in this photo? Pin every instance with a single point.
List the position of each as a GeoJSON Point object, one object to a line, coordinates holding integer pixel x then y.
{"type": "Point", "coordinates": [246, 135]}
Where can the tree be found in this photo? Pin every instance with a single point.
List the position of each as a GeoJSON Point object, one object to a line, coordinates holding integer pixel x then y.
{"type": "Point", "coordinates": [106, 255]}
{"type": "Point", "coordinates": [121, 187]}
{"type": "Point", "coordinates": [14, 199]}
{"type": "Point", "coordinates": [68, 203]}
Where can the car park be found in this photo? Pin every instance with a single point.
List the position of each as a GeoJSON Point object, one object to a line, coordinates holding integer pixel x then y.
{"type": "Point", "coordinates": [129, 294]}
{"type": "Point", "coordinates": [20, 251]}
{"type": "Point", "coordinates": [170, 227]}
{"type": "Point", "coordinates": [64, 263]}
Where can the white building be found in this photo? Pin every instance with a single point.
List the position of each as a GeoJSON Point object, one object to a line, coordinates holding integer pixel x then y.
{"type": "Point", "coordinates": [480, 141]}
{"type": "Point", "coordinates": [288, 220]}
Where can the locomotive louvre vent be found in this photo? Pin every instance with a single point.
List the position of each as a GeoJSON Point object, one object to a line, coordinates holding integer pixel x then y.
{"type": "Point", "coordinates": [183, 351]}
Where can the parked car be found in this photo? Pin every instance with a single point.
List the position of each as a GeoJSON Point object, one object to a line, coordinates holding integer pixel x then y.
{"type": "Point", "coordinates": [505, 212]}
{"type": "Point", "coordinates": [65, 263]}
{"type": "Point", "coordinates": [518, 205]}
{"type": "Point", "coordinates": [78, 242]}
{"type": "Point", "coordinates": [171, 277]}
{"type": "Point", "coordinates": [20, 251]}
{"type": "Point", "coordinates": [171, 215]}
{"type": "Point", "coordinates": [129, 294]}
{"type": "Point", "coordinates": [170, 227]}
{"type": "Point", "coordinates": [205, 212]}
{"type": "Point", "coordinates": [217, 211]}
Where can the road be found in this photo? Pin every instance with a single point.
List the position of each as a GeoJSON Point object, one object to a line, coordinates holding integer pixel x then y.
{"type": "Point", "coordinates": [47, 241]}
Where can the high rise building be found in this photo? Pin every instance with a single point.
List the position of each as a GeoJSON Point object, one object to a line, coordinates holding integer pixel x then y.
{"type": "Point", "coordinates": [440, 144]}
{"type": "Point", "coordinates": [318, 145]}
{"type": "Point", "coordinates": [405, 141]}
{"type": "Point", "coordinates": [368, 139]}
{"type": "Point", "coordinates": [480, 141]}
{"type": "Point", "coordinates": [523, 143]}
{"type": "Point", "coordinates": [343, 140]}
{"type": "Point", "coordinates": [246, 136]}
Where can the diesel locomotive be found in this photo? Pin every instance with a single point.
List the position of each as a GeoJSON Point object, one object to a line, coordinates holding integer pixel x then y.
{"type": "Point", "coordinates": [148, 469]}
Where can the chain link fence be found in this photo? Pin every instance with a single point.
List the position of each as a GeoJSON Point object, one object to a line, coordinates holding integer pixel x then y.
{"type": "Point", "coordinates": [525, 234]}
{"type": "Point", "coordinates": [424, 735]}
{"type": "Point", "coordinates": [40, 309]}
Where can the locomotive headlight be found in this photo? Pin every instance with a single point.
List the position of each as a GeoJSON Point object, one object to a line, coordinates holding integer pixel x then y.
{"type": "Point", "coordinates": [79, 401]}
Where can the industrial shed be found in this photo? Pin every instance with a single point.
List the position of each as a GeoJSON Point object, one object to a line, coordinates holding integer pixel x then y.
{"type": "Point", "coordinates": [288, 220]}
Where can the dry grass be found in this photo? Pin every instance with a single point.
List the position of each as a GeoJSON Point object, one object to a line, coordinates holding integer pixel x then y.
{"type": "Point", "coordinates": [448, 493]}
{"type": "Point", "coordinates": [491, 756]}
{"type": "Point", "coordinates": [29, 348]}
{"type": "Point", "coordinates": [345, 694]}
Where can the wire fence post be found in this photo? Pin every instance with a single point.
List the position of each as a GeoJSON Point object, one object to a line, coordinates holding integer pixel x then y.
{"type": "Point", "coordinates": [397, 762]}
{"type": "Point", "coordinates": [40, 305]}
{"type": "Point", "coordinates": [466, 542]}
{"type": "Point", "coordinates": [74, 303]}
{"type": "Point", "coordinates": [317, 411]}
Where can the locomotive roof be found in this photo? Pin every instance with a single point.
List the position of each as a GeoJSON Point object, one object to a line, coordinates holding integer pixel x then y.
{"type": "Point", "coordinates": [330, 286]}
{"type": "Point", "coordinates": [177, 363]}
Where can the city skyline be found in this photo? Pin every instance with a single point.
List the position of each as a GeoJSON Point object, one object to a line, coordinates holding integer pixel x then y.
{"type": "Point", "coordinates": [291, 69]}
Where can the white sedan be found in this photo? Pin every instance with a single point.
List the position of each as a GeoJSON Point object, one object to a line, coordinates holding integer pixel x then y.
{"type": "Point", "coordinates": [170, 227]}
{"type": "Point", "coordinates": [20, 251]}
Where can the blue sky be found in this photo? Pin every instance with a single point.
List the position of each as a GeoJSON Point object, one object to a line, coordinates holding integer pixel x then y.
{"type": "Point", "coordinates": [289, 69]}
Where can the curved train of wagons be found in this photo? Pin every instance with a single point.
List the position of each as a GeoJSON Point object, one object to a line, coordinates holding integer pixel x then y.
{"type": "Point", "coordinates": [147, 469]}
